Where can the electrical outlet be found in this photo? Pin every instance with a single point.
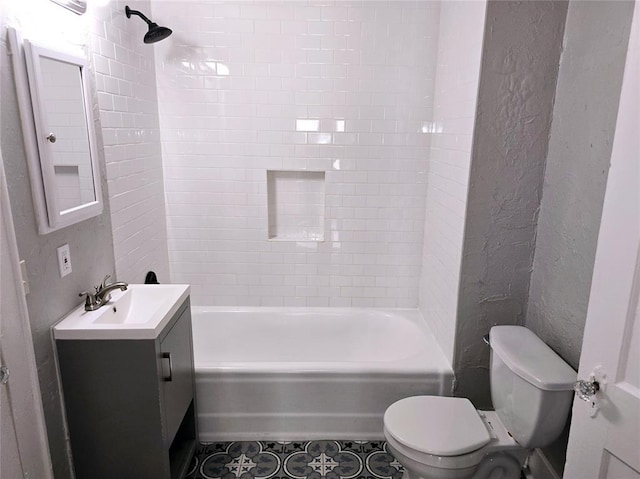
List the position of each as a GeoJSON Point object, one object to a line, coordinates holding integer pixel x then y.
{"type": "Point", "coordinates": [64, 260]}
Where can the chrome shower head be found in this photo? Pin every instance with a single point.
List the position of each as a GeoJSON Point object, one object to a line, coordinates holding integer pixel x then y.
{"type": "Point", "coordinates": [155, 33]}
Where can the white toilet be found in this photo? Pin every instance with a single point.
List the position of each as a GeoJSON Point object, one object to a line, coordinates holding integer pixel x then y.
{"type": "Point", "coordinates": [436, 437]}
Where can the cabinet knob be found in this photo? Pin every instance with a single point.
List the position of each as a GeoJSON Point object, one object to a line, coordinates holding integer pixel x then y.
{"type": "Point", "coordinates": [52, 138]}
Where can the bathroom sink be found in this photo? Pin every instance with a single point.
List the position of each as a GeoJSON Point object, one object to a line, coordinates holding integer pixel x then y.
{"type": "Point", "coordinates": [140, 312]}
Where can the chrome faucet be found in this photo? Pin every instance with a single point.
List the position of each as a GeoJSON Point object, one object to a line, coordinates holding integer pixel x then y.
{"type": "Point", "coordinates": [103, 292]}
{"type": "Point", "coordinates": [102, 295]}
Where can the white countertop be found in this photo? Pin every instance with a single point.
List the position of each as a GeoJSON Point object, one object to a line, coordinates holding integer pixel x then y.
{"type": "Point", "coordinates": [140, 312]}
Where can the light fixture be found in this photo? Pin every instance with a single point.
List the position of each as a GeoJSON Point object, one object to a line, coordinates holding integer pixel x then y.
{"type": "Point", "coordinates": [76, 6]}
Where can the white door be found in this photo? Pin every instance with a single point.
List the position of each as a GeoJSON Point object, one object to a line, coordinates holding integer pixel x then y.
{"type": "Point", "coordinates": [608, 444]}
{"type": "Point", "coordinates": [23, 440]}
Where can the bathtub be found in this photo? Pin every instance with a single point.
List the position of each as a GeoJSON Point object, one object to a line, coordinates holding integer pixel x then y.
{"type": "Point", "coordinates": [309, 373]}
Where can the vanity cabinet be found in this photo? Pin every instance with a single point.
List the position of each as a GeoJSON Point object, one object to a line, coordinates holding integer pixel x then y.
{"type": "Point", "coordinates": [130, 404]}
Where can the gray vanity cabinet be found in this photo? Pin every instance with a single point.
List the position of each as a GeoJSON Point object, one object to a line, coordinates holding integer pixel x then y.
{"type": "Point", "coordinates": [130, 404]}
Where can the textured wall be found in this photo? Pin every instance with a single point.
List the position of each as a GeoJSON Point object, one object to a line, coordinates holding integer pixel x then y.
{"type": "Point", "coordinates": [584, 117]}
{"type": "Point", "coordinates": [125, 78]}
{"type": "Point", "coordinates": [90, 241]}
{"type": "Point", "coordinates": [584, 121]}
{"type": "Point", "coordinates": [456, 91]}
{"type": "Point", "coordinates": [236, 83]}
{"type": "Point", "coordinates": [521, 52]}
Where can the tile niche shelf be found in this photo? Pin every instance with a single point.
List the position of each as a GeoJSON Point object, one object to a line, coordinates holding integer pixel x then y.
{"type": "Point", "coordinates": [295, 205]}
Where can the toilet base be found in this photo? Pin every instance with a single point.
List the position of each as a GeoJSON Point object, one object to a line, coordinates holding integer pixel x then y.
{"type": "Point", "coordinates": [498, 465]}
{"type": "Point", "coordinates": [417, 470]}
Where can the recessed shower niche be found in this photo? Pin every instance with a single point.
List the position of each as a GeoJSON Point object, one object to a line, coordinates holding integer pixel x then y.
{"type": "Point", "coordinates": [295, 205]}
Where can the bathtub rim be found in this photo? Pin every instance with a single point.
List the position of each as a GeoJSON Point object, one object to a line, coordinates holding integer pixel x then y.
{"type": "Point", "coordinates": [423, 363]}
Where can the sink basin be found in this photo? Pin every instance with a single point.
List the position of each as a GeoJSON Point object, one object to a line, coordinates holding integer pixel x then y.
{"type": "Point", "coordinates": [140, 312]}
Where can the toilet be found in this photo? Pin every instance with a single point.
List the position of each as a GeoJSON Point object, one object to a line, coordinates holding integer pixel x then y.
{"type": "Point", "coordinates": [436, 437]}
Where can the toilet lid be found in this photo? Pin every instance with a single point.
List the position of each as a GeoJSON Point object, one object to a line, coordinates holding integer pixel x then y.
{"type": "Point", "coordinates": [442, 426]}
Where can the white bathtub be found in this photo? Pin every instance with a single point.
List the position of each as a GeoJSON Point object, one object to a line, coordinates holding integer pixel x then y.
{"type": "Point", "coordinates": [309, 373]}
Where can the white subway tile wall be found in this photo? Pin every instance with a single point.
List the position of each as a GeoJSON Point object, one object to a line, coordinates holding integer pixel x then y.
{"type": "Point", "coordinates": [456, 91]}
{"type": "Point", "coordinates": [335, 86]}
{"type": "Point", "coordinates": [126, 84]}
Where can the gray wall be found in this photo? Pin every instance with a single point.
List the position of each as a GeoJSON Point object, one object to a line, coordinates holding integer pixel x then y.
{"type": "Point", "coordinates": [517, 84]}
{"type": "Point", "coordinates": [51, 298]}
{"type": "Point", "coordinates": [584, 120]}
{"type": "Point", "coordinates": [584, 117]}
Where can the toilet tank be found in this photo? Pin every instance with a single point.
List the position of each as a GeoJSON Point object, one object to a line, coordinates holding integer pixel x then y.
{"type": "Point", "coordinates": [531, 386]}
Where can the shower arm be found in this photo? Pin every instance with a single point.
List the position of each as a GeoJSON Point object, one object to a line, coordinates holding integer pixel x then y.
{"type": "Point", "coordinates": [128, 12]}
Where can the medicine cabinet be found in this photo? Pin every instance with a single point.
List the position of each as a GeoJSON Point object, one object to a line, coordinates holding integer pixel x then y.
{"type": "Point", "coordinates": [58, 127]}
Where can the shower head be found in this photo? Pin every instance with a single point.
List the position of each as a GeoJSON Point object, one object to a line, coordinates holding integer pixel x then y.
{"type": "Point", "coordinates": [155, 33]}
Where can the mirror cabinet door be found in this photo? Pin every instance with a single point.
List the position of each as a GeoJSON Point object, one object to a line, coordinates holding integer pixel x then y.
{"type": "Point", "coordinates": [57, 118]}
{"type": "Point", "coordinates": [66, 133]}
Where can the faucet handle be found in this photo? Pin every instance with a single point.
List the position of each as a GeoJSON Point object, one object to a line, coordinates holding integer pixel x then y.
{"type": "Point", "coordinates": [91, 302]}
{"type": "Point", "coordinates": [104, 281]}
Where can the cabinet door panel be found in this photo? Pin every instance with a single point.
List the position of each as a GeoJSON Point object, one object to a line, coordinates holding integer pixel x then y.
{"type": "Point", "coordinates": [177, 371]}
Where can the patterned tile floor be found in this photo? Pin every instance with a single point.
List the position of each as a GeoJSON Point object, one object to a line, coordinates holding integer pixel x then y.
{"type": "Point", "coordinates": [295, 460]}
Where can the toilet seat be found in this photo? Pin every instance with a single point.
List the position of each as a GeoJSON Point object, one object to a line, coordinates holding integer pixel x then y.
{"type": "Point", "coordinates": [497, 437]}
{"type": "Point", "coordinates": [436, 425]}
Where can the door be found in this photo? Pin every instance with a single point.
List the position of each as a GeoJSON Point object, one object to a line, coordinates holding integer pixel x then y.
{"type": "Point", "coordinates": [605, 443]}
{"type": "Point", "coordinates": [23, 440]}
